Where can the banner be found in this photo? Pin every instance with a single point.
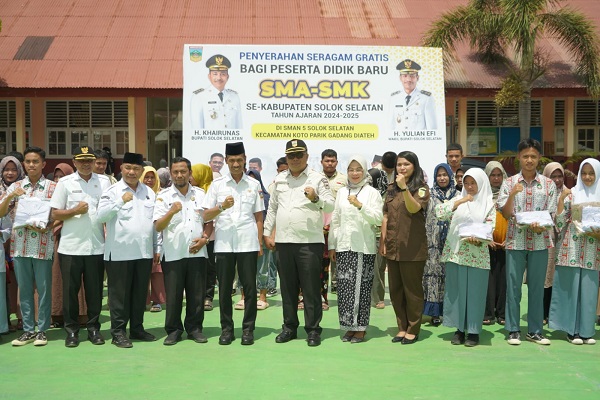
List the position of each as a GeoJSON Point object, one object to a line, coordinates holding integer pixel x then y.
{"type": "Point", "coordinates": [352, 99]}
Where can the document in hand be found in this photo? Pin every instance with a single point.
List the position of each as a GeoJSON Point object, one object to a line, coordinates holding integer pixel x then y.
{"type": "Point", "coordinates": [477, 230]}
{"type": "Point", "coordinates": [33, 212]}
{"type": "Point", "coordinates": [543, 218]}
{"type": "Point", "coordinates": [590, 218]}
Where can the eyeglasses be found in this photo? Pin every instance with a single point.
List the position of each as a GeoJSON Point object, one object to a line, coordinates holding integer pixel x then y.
{"type": "Point", "coordinates": [295, 156]}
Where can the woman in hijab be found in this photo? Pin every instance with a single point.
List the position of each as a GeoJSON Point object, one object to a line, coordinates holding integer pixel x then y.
{"type": "Point", "coordinates": [164, 175]}
{"type": "Point", "coordinates": [467, 260]}
{"type": "Point", "coordinates": [443, 190]}
{"type": "Point", "coordinates": [11, 170]}
{"type": "Point", "coordinates": [575, 289]}
{"type": "Point", "coordinates": [496, 293]}
{"type": "Point", "coordinates": [61, 170]}
{"type": "Point", "coordinates": [202, 176]}
{"type": "Point", "coordinates": [156, 295]}
{"type": "Point", "coordinates": [404, 244]}
{"type": "Point", "coordinates": [556, 172]}
{"type": "Point", "coordinates": [358, 210]}
{"type": "Point", "coordinates": [264, 281]}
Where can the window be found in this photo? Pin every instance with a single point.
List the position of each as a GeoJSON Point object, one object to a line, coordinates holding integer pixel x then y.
{"type": "Point", "coordinates": [97, 124]}
{"type": "Point", "coordinates": [559, 127]}
{"type": "Point", "coordinates": [587, 121]}
{"type": "Point", "coordinates": [491, 130]}
{"type": "Point", "coordinates": [8, 126]}
{"type": "Point", "coordinates": [164, 129]}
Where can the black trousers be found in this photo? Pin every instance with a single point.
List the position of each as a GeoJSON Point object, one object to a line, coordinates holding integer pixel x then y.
{"type": "Point", "coordinates": [72, 268]}
{"type": "Point", "coordinates": [299, 266]}
{"type": "Point", "coordinates": [496, 295]}
{"type": "Point", "coordinates": [187, 274]}
{"type": "Point", "coordinates": [127, 292]}
{"type": "Point", "coordinates": [246, 267]}
{"type": "Point", "coordinates": [211, 274]}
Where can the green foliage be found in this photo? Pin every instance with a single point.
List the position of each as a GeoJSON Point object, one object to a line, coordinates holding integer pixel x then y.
{"type": "Point", "coordinates": [508, 33]}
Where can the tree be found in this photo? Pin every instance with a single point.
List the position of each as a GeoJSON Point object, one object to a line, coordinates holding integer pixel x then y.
{"type": "Point", "coordinates": [508, 33]}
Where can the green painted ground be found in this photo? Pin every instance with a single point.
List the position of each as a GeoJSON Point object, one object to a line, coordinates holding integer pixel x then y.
{"type": "Point", "coordinates": [376, 369]}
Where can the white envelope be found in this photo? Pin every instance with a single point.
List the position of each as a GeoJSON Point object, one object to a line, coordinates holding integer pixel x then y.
{"type": "Point", "coordinates": [478, 230]}
{"type": "Point", "coordinates": [31, 209]}
{"type": "Point", "coordinates": [543, 218]}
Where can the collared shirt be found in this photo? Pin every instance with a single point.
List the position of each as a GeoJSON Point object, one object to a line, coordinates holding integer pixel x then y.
{"type": "Point", "coordinates": [336, 182]}
{"type": "Point", "coordinates": [418, 114]}
{"type": "Point", "coordinates": [130, 233]}
{"type": "Point", "coordinates": [539, 195]}
{"type": "Point", "coordinates": [208, 111]}
{"type": "Point", "coordinates": [354, 229]}
{"type": "Point", "coordinates": [186, 225]}
{"type": "Point", "coordinates": [81, 235]}
{"type": "Point", "coordinates": [235, 228]}
{"type": "Point", "coordinates": [25, 242]}
{"type": "Point", "coordinates": [295, 218]}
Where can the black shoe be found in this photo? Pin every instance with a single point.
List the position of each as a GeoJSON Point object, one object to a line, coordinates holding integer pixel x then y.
{"type": "Point", "coordinates": [72, 340]}
{"type": "Point", "coordinates": [95, 337]}
{"type": "Point", "coordinates": [458, 338]}
{"type": "Point", "coordinates": [314, 339]}
{"type": "Point", "coordinates": [333, 288]}
{"type": "Point", "coordinates": [142, 336]}
{"type": "Point", "coordinates": [122, 342]}
{"type": "Point", "coordinates": [410, 341]}
{"type": "Point", "coordinates": [247, 338]}
{"type": "Point", "coordinates": [172, 338]}
{"type": "Point", "coordinates": [436, 321]}
{"type": "Point", "coordinates": [472, 340]}
{"type": "Point", "coordinates": [397, 339]}
{"type": "Point", "coordinates": [285, 336]}
{"type": "Point", "coordinates": [226, 338]}
{"type": "Point", "coordinates": [197, 337]}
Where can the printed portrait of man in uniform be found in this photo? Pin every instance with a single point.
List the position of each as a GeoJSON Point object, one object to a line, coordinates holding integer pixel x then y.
{"type": "Point", "coordinates": [412, 108]}
{"type": "Point", "coordinates": [216, 107]}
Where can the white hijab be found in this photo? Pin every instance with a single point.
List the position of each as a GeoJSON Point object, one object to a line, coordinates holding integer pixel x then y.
{"type": "Point", "coordinates": [366, 179]}
{"type": "Point", "coordinates": [582, 193]}
{"type": "Point", "coordinates": [472, 211]}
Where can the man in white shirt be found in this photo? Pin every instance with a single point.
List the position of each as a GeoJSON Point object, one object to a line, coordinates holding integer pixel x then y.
{"type": "Point", "coordinates": [235, 201]}
{"type": "Point", "coordinates": [127, 208]}
{"type": "Point", "coordinates": [75, 202]}
{"type": "Point", "coordinates": [295, 218]}
{"type": "Point", "coordinates": [178, 214]}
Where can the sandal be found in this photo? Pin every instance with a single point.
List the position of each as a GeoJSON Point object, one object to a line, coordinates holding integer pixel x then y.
{"type": "Point", "coordinates": [301, 305]}
{"type": "Point", "coordinates": [325, 306]}
{"type": "Point", "coordinates": [488, 322]}
{"type": "Point", "coordinates": [436, 321]}
{"type": "Point", "coordinates": [156, 307]}
{"type": "Point", "coordinates": [501, 321]}
{"type": "Point", "coordinates": [380, 305]}
{"type": "Point", "coordinates": [348, 336]}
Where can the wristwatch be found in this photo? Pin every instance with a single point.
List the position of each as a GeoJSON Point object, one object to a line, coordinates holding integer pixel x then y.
{"type": "Point", "coordinates": [221, 207]}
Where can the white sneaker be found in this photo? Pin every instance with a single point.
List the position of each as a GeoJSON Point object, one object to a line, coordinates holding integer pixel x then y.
{"type": "Point", "coordinates": [589, 341]}
{"type": "Point", "coordinates": [574, 339]}
{"type": "Point", "coordinates": [538, 338]}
